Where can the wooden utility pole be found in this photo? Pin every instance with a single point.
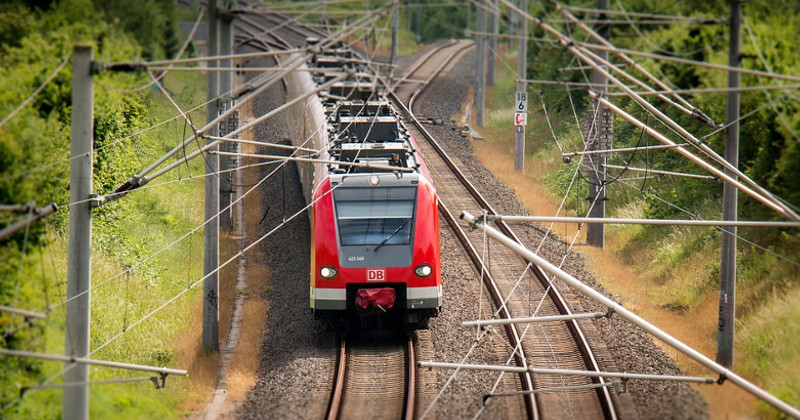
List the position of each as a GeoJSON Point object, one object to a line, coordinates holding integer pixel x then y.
{"type": "Point", "coordinates": [211, 231]}
{"type": "Point", "coordinates": [597, 136]}
{"type": "Point", "coordinates": [520, 115]}
{"type": "Point", "coordinates": [727, 288]}
{"type": "Point", "coordinates": [79, 263]}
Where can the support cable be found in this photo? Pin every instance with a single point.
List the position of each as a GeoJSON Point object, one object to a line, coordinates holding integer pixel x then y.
{"type": "Point", "coordinates": [766, 65]}
{"type": "Point", "coordinates": [762, 194]}
{"type": "Point", "coordinates": [725, 374]}
{"type": "Point", "coordinates": [696, 216]}
{"type": "Point", "coordinates": [36, 92]}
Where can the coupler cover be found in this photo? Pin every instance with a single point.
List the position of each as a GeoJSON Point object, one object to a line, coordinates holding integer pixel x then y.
{"type": "Point", "coordinates": [375, 300]}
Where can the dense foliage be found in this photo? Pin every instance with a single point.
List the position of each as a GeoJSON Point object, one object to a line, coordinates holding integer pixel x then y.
{"type": "Point", "coordinates": [681, 265]}
{"type": "Point", "coordinates": [35, 38]}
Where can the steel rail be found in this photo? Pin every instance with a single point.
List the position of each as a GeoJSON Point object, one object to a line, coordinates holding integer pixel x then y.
{"type": "Point", "coordinates": [526, 379]}
{"type": "Point", "coordinates": [604, 395]}
{"type": "Point", "coordinates": [415, 66]}
{"type": "Point", "coordinates": [515, 339]}
{"type": "Point", "coordinates": [619, 310]}
{"type": "Point", "coordinates": [411, 380]}
{"type": "Point", "coordinates": [436, 73]}
{"type": "Point", "coordinates": [338, 381]}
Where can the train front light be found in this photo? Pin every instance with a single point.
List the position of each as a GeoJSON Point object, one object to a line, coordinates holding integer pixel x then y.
{"type": "Point", "coordinates": [423, 270]}
{"type": "Point", "coordinates": [328, 272]}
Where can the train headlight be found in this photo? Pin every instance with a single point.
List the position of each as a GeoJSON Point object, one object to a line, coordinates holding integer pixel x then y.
{"type": "Point", "coordinates": [423, 270]}
{"type": "Point", "coordinates": [328, 272]}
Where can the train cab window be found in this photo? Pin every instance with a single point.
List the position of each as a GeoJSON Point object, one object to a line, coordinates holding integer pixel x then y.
{"type": "Point", "coordinates": [375, 216]}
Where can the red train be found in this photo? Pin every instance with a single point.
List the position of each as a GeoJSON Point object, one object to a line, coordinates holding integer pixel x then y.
{"type": "Point", "coordinates": [375, 255]}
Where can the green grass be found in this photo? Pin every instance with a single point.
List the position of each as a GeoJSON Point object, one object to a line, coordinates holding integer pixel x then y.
{"type": "Point", "coordinates": [150, 220]}
{"type": "Point", "coordinates": [768, 347]}
{"type": "Point", "coordinates": [680, 265]}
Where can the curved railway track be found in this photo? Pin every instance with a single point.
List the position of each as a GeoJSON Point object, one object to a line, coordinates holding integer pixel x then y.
{"type": "Point", "coordinates": [375, 380]}
{"type": "Point", "coordinates": [561, 345]}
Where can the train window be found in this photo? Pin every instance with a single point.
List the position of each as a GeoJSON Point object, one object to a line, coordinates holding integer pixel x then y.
{"type": "Point", "coordinates": [368, 216]}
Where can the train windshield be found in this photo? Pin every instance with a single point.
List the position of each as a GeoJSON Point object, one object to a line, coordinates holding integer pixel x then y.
{"type": "Point", "coordinates": [375, 216]}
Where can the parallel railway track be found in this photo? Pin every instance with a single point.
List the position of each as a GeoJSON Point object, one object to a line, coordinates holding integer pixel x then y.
{"type": "Point", "coordinates": [555, 345]}
{"type": "Point", "coordinates": [374, 380]}
{"type": "Point", "coordinates": [552, 345]}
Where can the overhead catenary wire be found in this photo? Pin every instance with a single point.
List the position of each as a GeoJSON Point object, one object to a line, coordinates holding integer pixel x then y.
{"type": "Point", "coordinates": [684, 107]}
{"type": "Point", "coordinates": [693, 91]}
{"type": "Point", "coordinates": [180, 52]}
{"type": "Point", "coordinates": [765, 63]}
{"type": "Point", "coordinates": [35, 214]}
{"type": "Point", "coordinates": [35, 93]}
{"type": "Point", "coordinates": [696, 216]}
{"type": "Point", "coordinates": [725, 374]}
{"type": "Point", "coordinates": [214, 143]}
{"type": "Point", "coordinates": [695, 63]}
{"type": "Point", "coordinates": [139, 178]}
{"type": "Point", "coordinates": [772, 204]}
{"type": "Point", "coordinates": [611, 12]}
{"type": "Point", "coordinates": [591, 59]}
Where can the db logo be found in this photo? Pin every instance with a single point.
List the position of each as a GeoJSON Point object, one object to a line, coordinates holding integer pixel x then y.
{"type": "Point", "coordinates": [376, 274]}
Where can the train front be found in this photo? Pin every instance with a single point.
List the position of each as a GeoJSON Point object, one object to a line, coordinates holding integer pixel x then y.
{"type": "Point", "coordinates": [376, 257]}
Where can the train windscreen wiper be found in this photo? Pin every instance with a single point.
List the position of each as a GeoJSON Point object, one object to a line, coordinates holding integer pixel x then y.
{"type": "Point", "coordinates": [391, 234]}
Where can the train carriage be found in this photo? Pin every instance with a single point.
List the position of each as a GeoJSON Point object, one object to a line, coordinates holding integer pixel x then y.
{"type": "Point", "coordinates": [375, 252]}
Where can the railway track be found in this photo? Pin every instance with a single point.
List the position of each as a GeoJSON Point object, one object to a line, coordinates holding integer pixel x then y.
{"type": "Point", "coordinates": [560, 345]}
{"type": "Point", "coordinates": [375, 380]}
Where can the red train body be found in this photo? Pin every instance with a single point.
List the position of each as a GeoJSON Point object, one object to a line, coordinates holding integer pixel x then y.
{"type": "Point", "coordinates": [375, 250]}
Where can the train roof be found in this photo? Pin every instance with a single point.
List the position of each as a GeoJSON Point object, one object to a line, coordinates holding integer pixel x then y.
{"type": "Point", "coordinates": [365, 134]}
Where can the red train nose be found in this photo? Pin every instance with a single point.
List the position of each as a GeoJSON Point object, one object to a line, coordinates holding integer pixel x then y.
{"type": "Point", "coordinates": [376, 300]}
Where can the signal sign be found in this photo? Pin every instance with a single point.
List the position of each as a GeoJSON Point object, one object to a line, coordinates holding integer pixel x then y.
{"type": "Point", "coordinates": [520, 119]}
{"type": "Point", "coordinates": [522, 102]}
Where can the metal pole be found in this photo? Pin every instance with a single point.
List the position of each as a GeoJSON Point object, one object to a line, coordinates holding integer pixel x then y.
{"type": "Point", "coordinates": [225, 87]}
{"type": "Point", "coordinates": [79, 264]}
{"type": "Point", "coordinates": [698, 161]}
{"type": "Point", "coordinates": [512, 27]}
{"type": "Point", "coordinates": [480, 70]}
{"type": "Point", "coordinates": [468, 16]}
{"type": "Point", "coordinates": [367, 7]}
{"type": "Point", "coordinates": [597, 131]}
{"type": "Point", "coordinates": [522, 66]}
{"type": "Point", "coordinates": [572, 372]}
{"type": "Point", "coordinates": [36, 215]}
{"type": "Point", "coordinates": [495, 28]}
{"type": "Point", "coordinates": [22, 312]}
{"type": "Point", "coordinates": [626, 221]}
{"type": "Point", "coordinates": [395, 25]}
{"type": "Point", "coordinates": [211, 231]}
{"type": "Point", "coordinates": [727, 286]}
{"type": "Point", "coordinates": [619, 310]}
{"type": "Point", "coordinates": [82, 361]}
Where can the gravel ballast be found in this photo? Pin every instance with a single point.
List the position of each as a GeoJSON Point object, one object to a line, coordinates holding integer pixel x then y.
{"type": "Point", "coordinates": [298, 354]}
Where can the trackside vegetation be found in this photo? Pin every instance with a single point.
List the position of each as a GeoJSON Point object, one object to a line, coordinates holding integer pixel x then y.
{"type": "Point", "coordinates": [35, 37]}
{"type": "Point", "coordinates": [680, 265]}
